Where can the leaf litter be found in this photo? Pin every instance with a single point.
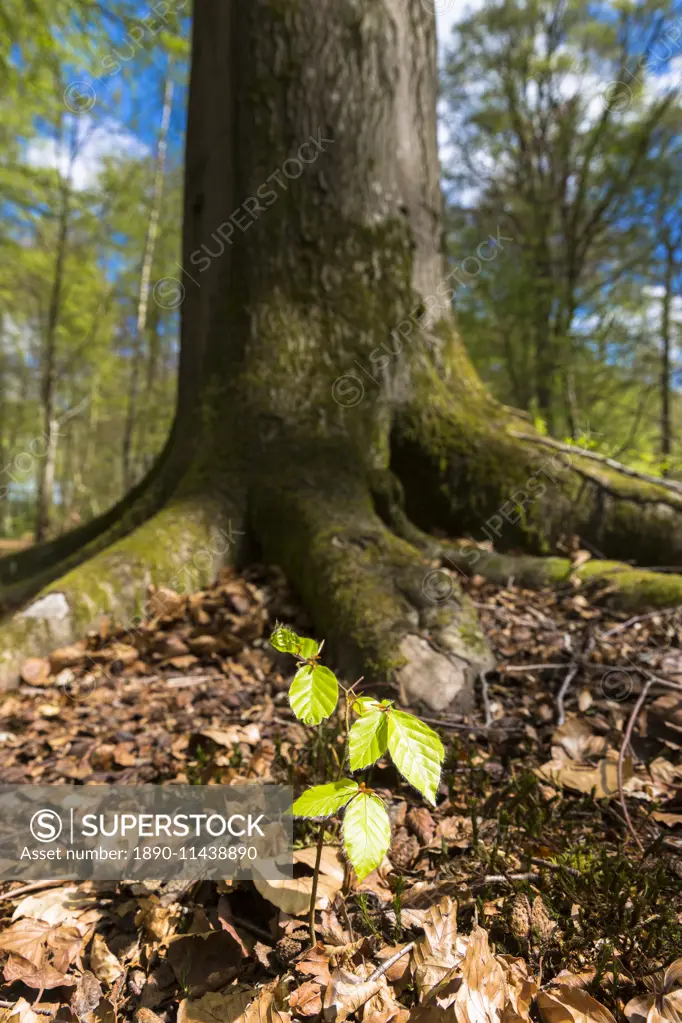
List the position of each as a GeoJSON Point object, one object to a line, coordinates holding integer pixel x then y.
{"type": "Point", "coordinates": [519, 894]}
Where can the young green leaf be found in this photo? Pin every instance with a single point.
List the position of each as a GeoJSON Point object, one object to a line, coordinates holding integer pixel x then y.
{"type": "Point", "coordinates": [417, 752]}
{"type": "Point", "coordinates": [314, 694]}
{"type": "Point", "coordinates": [364, 704]}
{"type": "Point", "coordinates": [367, 739]}
{"type": "Point", "coordinates": [366, 833]}
{"type": "Point", "coordinates": [284, 640]}
{"type": "Point", "coordinates": [307, 647]}
{"type": "Point", "coordinates": [287, 642]}
{"type": "Point", "coordinates": [324, 800]}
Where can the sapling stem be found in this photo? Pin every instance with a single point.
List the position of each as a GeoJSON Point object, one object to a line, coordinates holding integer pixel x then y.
{"type": "Point", "coordinates": [320, 837]}
{"type": "Point", "coordinates": [316, 877]}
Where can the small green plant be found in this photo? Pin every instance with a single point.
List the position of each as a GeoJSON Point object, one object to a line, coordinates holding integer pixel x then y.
{"type": "Point", "coordinates": [415, 749]}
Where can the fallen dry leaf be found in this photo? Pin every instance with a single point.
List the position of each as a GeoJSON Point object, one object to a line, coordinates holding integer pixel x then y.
{"type": "Point", "coordinates": [103, 962]}
{"type": "Point", "coordinates": [204, 962]}
{"type": "Point", "coordinates": [215, 1007]}
{"type": "Point", "coordinates": [306, 1000]}
{"type": "Point", "coordinates": [564, 1004]}
{"type": "Point", "coordinates": [87, 995]}
{"type": "Point", "coordinates": [438, 951]}
{"type": "Point", "coordinates": [43, 977]}
{"type": "Point", "coordinates": [347, 992]}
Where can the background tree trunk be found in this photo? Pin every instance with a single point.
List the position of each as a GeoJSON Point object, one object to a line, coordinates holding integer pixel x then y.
{"type": "Point", "coordinates": [46, 462]}
{"type": "Point", "coordinates": [136, 361]}
{"type": "Point", "coordinates": [666, 426]}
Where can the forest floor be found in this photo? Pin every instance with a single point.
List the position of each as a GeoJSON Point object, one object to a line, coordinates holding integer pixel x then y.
{"type": "Point", "coordinates": [526, 893]}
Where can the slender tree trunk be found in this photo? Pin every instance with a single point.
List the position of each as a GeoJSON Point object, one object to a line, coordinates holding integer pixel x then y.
{"type": "Point", "coordinates": [666, 426]}
{"type": "Point", "coordinates": [136, 361]}
{"type": "Point", "coordinates": [46, 461]}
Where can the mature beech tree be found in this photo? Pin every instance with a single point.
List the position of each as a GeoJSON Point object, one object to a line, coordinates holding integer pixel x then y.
{"type": "Point", "coordinates": [327, 414]}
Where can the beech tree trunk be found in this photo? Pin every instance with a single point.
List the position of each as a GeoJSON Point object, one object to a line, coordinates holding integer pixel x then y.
{"type": "Point", "coordinates": [328, 417]}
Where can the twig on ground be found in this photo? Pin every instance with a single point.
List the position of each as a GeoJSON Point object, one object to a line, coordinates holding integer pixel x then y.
{"type": "Point", "coordinates": [561, 695]}
{"type": "Point", "coordinates": [258, 932]}
{"type": "Point", "coordinates": [509, 668]}
{"type": "Point", "coordinates": [458, 726]}
{"type": "Point", "coordinates": [554, 866]}
{"type": "Point", "coordinates": [485, 697]}
{"type": "Point", "coordinates": [637, 618]}
{"type": "Point", "coordinates": [527, 875]}
{"type": "Point", "coordinates": [386, 966]}
{"type": "Point", "coordinates": [35, 886]}
{"type": "Point", "coordinates": [34, 1008]}
{"type": "Point", "coordinates": [621, 757]}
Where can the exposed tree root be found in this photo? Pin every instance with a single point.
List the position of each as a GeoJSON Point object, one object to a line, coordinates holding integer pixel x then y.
{"type": "Point", "coordinates": [180, 547]}
{"type": "Point", "coordinates": [594, 456]}
{"type": "Point", "coordinates": [371, 593]}
{"type": "Point", "coordinates": [624, 587]}
{"type": "Point", "coordinates": [466, 474]}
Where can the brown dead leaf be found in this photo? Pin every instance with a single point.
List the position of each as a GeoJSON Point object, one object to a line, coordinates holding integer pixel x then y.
{"type": "Point", "coordinates": [315, 964]}
{"type": "Point", "coordinates": [346, 993]}
{"type": "Point", "coordinates": [306, 1000]}
{"type": "Point", "coordinates": [159, 922]}
{"type": "Point", "coordinates": [564, 1004]}
{"type": "Point", "coordinates": [438, 951]}
{"type": "Point", "coordinates": [103, 962]}
{"type": "Point", "coordinates": [664, 1003]}
{"type": "Point", "coordinates": [456, 830]}
{"type": "Point", "coordinates": [35, 671]}
{"type": "Point", "coordinates": [27, 938]}
{"type": "Point", "coordinates": [483, 994]}
{"type": "Point", "coordinates": [21, 1012]}
{"type": "Point", "coordinates": [59, 905]}
{"type": "Point", "coordinates": [383, 1008]}
{"type": "Point", "coordinates": [292, 895]}
{"type": "Point", "coordinates": [332, 863]}
{"type": "Point", "coordinates": [204, 962]}
{"type": "Point", "coordinates": [577, 739]}
{"type": "Point", "coordinates": [420, 821]}
{"type": "Point", "coordinates": [43, 977]}
{"type": "Point", "coordinates": [67, 656]}
{"type": "Point", "coordinates": [603, 777]}
{"type": "Point", "coordinates": [214, 1007]}
{"type": "Point", "coordinates": [87, 995]}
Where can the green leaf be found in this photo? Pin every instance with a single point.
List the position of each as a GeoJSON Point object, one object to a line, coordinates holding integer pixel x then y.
{"type": "Point", "coordinates": [324, 800]}
{"type": "Point", "coordinates": [367, 739]}
{"type": "Point", "coordinates": [288, 642]}
{"type": "Point", "coordinates": [284, 640]}
{"type": "Point", "coordinates": [366, 833]}
{"type": "Point", "coordinates": [307, 648]}
{"type": "Point", "coordinates": [314, 694]}
{"type": "Point", "coordinates": [364, 704]}
{"type": "Point", "coordinates": [417, 752]}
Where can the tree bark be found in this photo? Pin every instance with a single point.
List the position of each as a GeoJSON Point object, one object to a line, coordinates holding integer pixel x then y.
{"type": "Point", "coordinates": [320, 371]}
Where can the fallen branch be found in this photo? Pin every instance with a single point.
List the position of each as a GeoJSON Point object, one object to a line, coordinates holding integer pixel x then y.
{"type": "Point", "coordinates": [571, 449]}
{"type": "Point", "coordinates": [386, 966]}
{"type": "Point", "coordinates": [35, 886]}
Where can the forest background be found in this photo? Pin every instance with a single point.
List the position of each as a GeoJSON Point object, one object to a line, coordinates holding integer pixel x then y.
{"type": "Point", "coordinates": [573, 312]}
